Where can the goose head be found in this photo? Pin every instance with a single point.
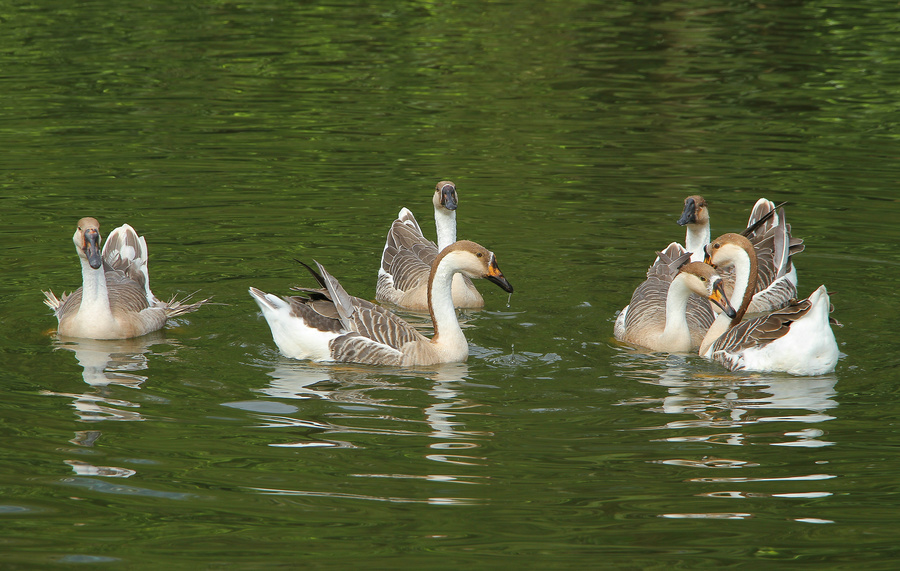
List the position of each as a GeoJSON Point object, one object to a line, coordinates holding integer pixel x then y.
{"type": "Point", "coordinates": [735, 250]}
{"type": "Point", "coordinates": [702, 279]}
{"type": "Point", "coordinates": [695, 211]}
{"type": "Point", "coordinates": [87, 241]}
{"type": "Point", "coordinates": [445, 196]}
{"type": "Point", "coordinates": [728, 249]}
{"type": "Point", "coordinates": [475, 261]}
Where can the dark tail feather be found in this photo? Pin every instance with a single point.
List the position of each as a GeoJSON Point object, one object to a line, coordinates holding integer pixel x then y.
{"type": "Point", "coordinates": [314, 273]}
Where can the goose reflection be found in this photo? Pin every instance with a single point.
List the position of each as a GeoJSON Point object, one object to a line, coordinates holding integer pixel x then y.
{"type": "Point", "coordinates": [365, 404]}
{"type": "Point", "coordinates": [105, 363]}
{"type": "Point", "coordinates": [733, 409]}
{"type": "Point", "coordinates": [729, 401]}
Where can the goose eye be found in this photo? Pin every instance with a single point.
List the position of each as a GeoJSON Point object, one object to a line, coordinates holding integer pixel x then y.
{"type": "Point", "coordinates": [479, 254]}
{"type": "Point", "coordinates": [716, 246]}
{"type": "Point", "coordinates": [702, 279]}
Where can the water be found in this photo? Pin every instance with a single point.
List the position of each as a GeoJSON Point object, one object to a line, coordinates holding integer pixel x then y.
{"type": "Point", "coordinates": [237, 137]}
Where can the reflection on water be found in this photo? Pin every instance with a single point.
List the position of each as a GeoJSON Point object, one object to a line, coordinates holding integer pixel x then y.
{"type": "Point", "coordinates": [105, 363]}
{"type": "Point", "coordinates": [734, 406]}
{"type": "Point", "coordinates": [364, 397]}
{"type": "Point", "coordinates": [732, 401]}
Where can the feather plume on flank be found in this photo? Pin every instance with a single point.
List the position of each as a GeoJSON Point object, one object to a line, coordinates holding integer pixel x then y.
{"type": "Point", "coordinates": [115, 300]}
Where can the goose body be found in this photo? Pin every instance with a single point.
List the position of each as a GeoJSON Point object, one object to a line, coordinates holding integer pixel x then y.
{"type": "Point", "coordinates": [328, 324]}
{"type": "Point", "coordinates": [795, 339]}
{"type": "Point", "coordinates": [777, 281]}
{"type": "Point", "coordinates": [407, 257]}
{"type": "Point", "coordinates": [663, 314]}
{"type": "Point", "coordinates": [114, 301]}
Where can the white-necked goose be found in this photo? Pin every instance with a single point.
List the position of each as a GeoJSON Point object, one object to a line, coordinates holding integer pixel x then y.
{"type": "Point", "coordinates": [777, 281]}
{"type": "Point", "coordinates": [796, 339]}
{"type": "Point", "coordinates": [114, 301]}
{"type": "Point", "coordinates": [330, 325]}
{"type": "Point", "coordinates": [407, 257]}
{"type": "Point", "coordinates": [663, 314]}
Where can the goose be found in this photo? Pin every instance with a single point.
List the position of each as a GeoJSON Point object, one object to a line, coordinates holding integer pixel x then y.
{"type": "Point", "coordinates": [796, 339]}
{"type": "Point", "coordinates": [407, 257]}
{"type": "Point", "coordinates": [771, 236]}
{"type": "Point", "coordinates": [328, 324]}
{"type": "Point", "coordinates": [115, 301]}
{"type": "Point", "coordinates": [663, 315]}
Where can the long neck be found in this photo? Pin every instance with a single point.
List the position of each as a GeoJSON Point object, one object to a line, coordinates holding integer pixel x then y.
{"type": "Point", "coordinates": [445, 221]}
{"type": "Point", "coordinates": [696, 238]}
{"type": "Point", "coordinates": [94, 295]}
{"type": "Point", "coordinates": [744, 284]}
{"type": "Point", "coordinates": [448, 334]}
{"type": "Point", "coordinates": [676, 331]}
{"type": "Point", "coordinates": [745, 270]}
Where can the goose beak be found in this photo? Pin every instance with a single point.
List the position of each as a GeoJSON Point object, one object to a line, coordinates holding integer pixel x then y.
{"type": "Point", "coordinates": [707, 259]}
{"type": "Point", "coordinates": [689, 216]}
{"type": "Point", "coordinates": [718, 297]}
{"type": "Point", "coordinates": [92, 248]}
{"type": "Point", "coordinates": [448, 197]}
{"type": "Point", "coordinates": [495, 275]}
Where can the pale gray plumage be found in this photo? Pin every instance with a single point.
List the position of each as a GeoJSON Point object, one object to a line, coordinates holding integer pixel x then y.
{"type": "Point", "coordinates": [328, 324]}
{"type": "Point", "coordinates": [795, 339]}
{"type": "Point", "coordinates": [664, 314]}
{"type": "Point", "coordinates": [120, 303]}
{"type": "Point", "coordinates": [407, 257]}
{"type": "Point", "coordinates": [777, 283]}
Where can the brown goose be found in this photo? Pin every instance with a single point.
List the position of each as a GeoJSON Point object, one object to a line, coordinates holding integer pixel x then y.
{"type": "Point", "coordinates": [796, 339]}
{"type": "Point", "coordinates": [777, 281]}
{"type": "Point", "coordinates": [328, 324]}
{"type": "Point", "coordinates": [407, 257]}
{"type": "Point", "coordinates": [663, 315]}
{"type": "Point", "coordinates": [115, 301]}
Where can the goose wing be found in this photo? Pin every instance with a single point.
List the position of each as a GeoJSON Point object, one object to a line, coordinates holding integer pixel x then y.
{"type": "Point", "coordinates": [125, 255]}
{"type": "Point", "coordinates": [763, 330]}
{"type": "Point", "coordinates": [648, 303]}
{"type": "Point", "coordinates": [407, 254]}
{"type": "Point", "coordinates": [331, 308]}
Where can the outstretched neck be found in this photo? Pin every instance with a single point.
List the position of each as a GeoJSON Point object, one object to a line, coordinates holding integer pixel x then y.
{"type": "Point", "coordinates": [94, 294]}
{"type": "Point", "coordinates": [745, 274]}
{"type": "Point", "coordinates": [696, 239]}
{"type": "Point", "coordinates": [448, 336]}
{"type": "Point", "coordinates": [445, 222]}
{"type": "Point", "coordinates": [744, 261]}
{"type": "Point", "coordinates": [676, 335]}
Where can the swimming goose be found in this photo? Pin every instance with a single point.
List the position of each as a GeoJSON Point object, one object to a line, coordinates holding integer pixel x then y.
{"type": "Point", "coordinates": [663, 315]}
{"type": "Point", "coordinates": [407, 257]}
{"type": "Point", "coordinates": [330, 325]}
{"type": "Point", "coordinates": [777, 281]}
{"type": "Point", "coordinates": [115, 301]}
{"type": "Point", "coordinates": [796, 339]}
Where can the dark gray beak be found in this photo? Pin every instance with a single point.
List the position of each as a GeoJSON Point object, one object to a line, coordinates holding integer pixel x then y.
{"type": "Point", "coordinates": [92, 248]}
{"type": "Point", "coordinates": [448, 197]}
{"type": "Point", "coordinates": [689, 216]}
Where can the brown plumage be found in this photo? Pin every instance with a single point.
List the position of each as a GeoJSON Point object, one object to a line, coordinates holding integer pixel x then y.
{"type": "Point", "coordinates": [115, 301]}
{"type": "Point", "coordinates": [328, 324]}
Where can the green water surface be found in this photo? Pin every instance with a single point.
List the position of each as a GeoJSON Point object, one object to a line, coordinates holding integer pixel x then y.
{"type": "Point", "coordinates": [237, 136]}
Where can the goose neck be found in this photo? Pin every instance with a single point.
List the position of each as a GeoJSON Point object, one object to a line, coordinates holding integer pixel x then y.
{"type": "Point", "coordinates": [445, 222]}
{"type": "Point", "coordinates": [745, 270]}
{"type": "Point", "coordinates": [94, 293]}
{"type": "Point", "coordinates": [676, 329]}
{"type": "Point", "coordinates": [447, 332]}
{"type": "Point", "coordinates": [695, 240]}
